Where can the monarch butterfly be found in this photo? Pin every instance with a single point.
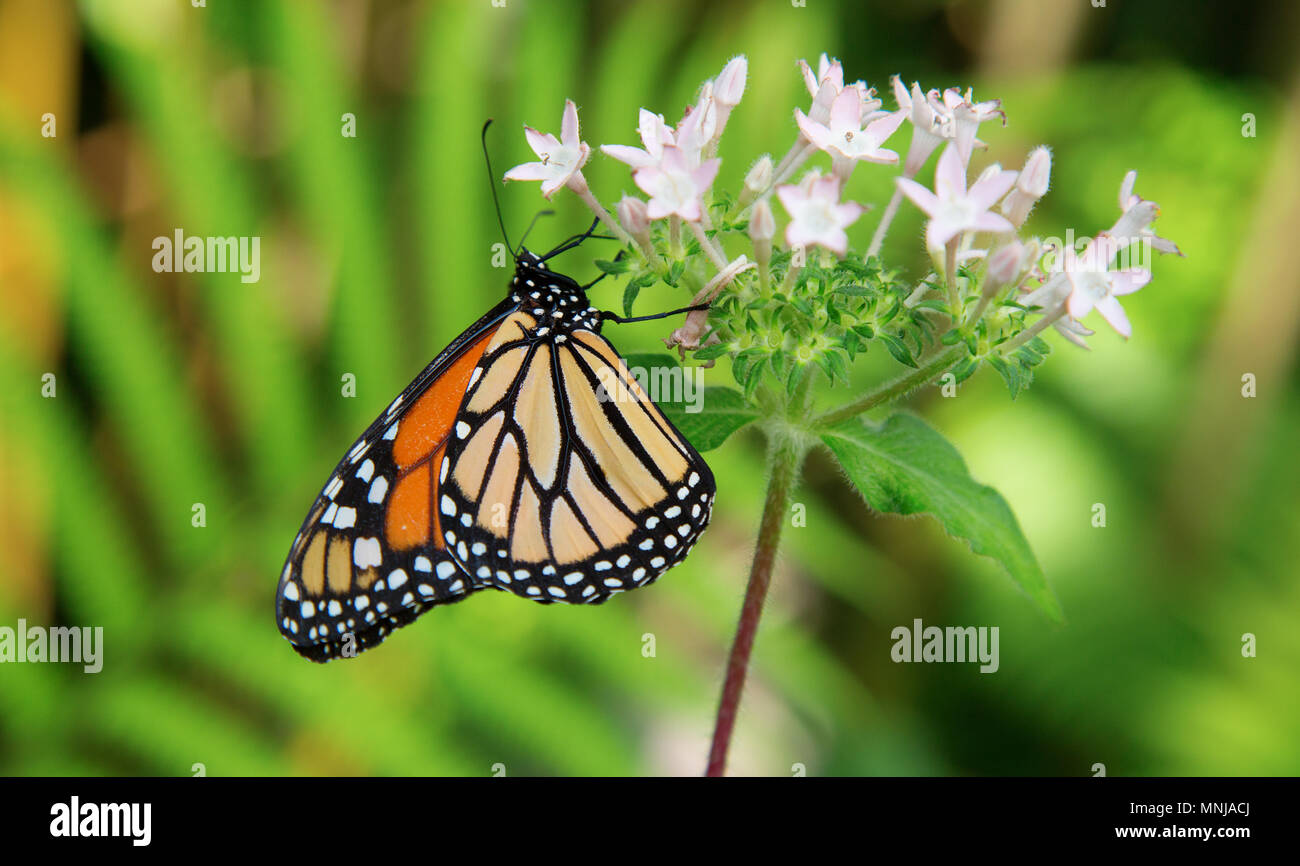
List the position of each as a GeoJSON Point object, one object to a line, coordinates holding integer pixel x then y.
{"type": "Point", "coordinates": [504, 465]}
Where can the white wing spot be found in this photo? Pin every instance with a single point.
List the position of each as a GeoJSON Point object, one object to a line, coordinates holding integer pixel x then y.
{"type": "Point", "coordinates": [366, 552]}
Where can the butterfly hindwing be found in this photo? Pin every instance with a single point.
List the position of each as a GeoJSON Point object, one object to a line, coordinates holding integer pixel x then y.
{"type": "Point", "coordinates": [370, 557]}
{"type": "Point", "coordinates": [564, 482]}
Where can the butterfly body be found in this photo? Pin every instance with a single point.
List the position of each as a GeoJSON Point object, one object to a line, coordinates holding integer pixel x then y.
{"type": "Point", "coordinates": [524, 458]}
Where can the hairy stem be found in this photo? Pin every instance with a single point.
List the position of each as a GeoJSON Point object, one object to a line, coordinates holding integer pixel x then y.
{"type": "Point", "coordinates": [783, 466]}
{"type": "Point", "coordinates": [897, 388]}
{"type": "Point", "coordinates": [891, 210]}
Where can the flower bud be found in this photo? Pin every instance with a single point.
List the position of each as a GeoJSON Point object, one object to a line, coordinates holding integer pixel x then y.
{"type": "Point", "coordinates": [762, 228]}
{"type": "Point", "coordinates": [635, 217]}
{"type": "Point", "coordinates": [1030, 186]}
{"type": "Point", "coordinates": [1037, 173]}
{"type": "Point", "coordinates": [1005, 265]}
{"type": "Point", "coordinates": [762, 225]}
{"type": "Point", "coordinates": [757, 181]}
{"type": "Point", "coordinates": [729, 86]}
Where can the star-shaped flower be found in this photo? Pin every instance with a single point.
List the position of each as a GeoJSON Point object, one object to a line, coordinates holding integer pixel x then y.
{"type": "Point", "coordinates": [817, 215]}
{"type": "Point", "coordinates": [844, 136]}
{"type": "Point", "coordinates": [1094, 286]}
{"type": "Point", "coordinates": [954, 209]}
{"type": "Point", "coordinates": [677, 184]}
{"type": "Point", "coordinates": [560, 160]}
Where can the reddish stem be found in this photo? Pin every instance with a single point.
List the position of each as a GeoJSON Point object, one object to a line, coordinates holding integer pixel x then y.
{"type": "Point", "coordinates": [784, 465]}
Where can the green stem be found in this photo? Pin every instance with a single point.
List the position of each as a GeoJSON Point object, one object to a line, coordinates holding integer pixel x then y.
{"type": "Point", "coordinates": [783, 466]}
{"type": "Point", "coordinates": [897, 388]}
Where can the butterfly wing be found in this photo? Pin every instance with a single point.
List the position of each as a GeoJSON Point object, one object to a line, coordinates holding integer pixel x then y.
{"type": "Point", "coordinates": [370, 556]}
{"type": "Point", "coordinates": [563, 482]}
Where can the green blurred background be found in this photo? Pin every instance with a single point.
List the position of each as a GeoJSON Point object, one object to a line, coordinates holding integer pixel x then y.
{"type": "Point", "coordinates": [182, 388]}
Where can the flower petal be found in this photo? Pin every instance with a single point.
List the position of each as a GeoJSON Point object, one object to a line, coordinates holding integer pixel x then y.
{"type": "Point", "coordinates": [569, 125]}
{"type": "Point", "coordinates": [1128, 281]}
{"type": "Point", "coordinates": [920, 196]}
{"type": "Point", "coordinates": [950, 174]}
{"type": "Point", "coordinates": [633, 156]}
{"type": "Point", "coordinates": [1114, 315]}
{"type": "Point", "coordinates": [987, 191]}
{"type": "Point", "coordinates": [528, 171]}
{"type": "Point", "coordinates": [542, 143]}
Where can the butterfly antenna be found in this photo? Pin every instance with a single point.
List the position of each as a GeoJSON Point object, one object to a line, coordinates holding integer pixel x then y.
{"type": "Point", "coordinates": [527, 231]}
{"type": "Point", "coordinates": [492, 182]}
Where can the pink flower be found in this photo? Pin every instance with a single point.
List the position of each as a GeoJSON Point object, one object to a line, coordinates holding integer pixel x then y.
{"type": "Point", "coordinates": [561, 160]}
{"type": "Point", "coordinates": [844, 136]}
{"type": "Point", "coordinates": [817, 215]}
{"type": "Point", "coordinates": [951, 207]}
{"type": "Point", "coordinates": [676, 185]}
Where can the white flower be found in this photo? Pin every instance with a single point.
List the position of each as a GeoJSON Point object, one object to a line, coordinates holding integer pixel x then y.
{"type": "Point", "coordinates": [817, 215]}
{"type": "Point", "coordinates": [675, 186]}
{"type": "Point", "coordinates": [1094, 286]}
{"type": "Point", "coordinates": [844, 136]}
{"type": "Point", "coordinates": [951, 207]}
{"type": "Point", "coordinates": [561, 160]}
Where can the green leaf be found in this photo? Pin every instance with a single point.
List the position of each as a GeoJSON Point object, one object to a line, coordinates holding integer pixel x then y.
{"type": "Point", "coordinates": [629, 297]}
{"type": "Point", "coordinates": [898, 349]}
{"type": "Point", "coordinates": [715, 414]}
{"type": "Point", "coordinates": [675, 271]}
{"type": "Point", "coordinates": [903, 466]}
{"type": "Point", "coordinates": [615, 267]}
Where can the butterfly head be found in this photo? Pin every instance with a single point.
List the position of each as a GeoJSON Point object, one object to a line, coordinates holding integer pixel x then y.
{"type": "Point", "coordinates": [556, 301]}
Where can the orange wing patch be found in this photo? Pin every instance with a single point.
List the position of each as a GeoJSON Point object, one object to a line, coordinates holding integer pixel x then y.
{"type": "Point", "coordinates": [426, 424]}
{"type": "Point", "coordinates": [411, 519]}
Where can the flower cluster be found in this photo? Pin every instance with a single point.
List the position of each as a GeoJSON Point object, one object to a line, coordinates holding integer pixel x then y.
{"type": "Point", "coordinates": [800, 296]}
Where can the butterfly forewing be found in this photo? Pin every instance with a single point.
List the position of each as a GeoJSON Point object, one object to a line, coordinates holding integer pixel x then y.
{"type": "Point", "coordinates": [370, 556]}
